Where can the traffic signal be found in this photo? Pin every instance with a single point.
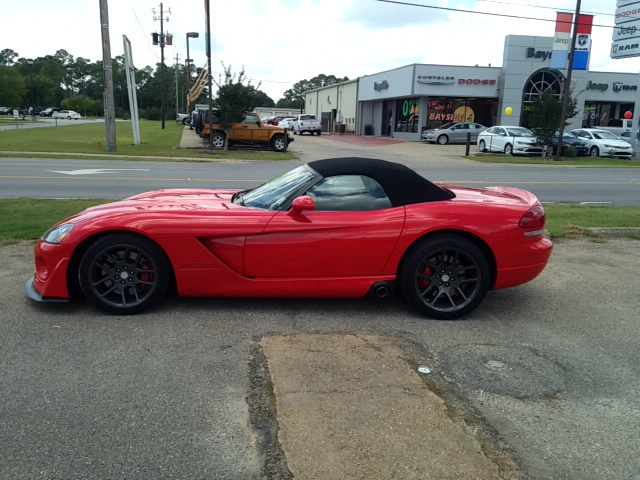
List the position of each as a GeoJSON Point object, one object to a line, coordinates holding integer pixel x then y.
{"type": "Point", "coordinates": [155, 37]}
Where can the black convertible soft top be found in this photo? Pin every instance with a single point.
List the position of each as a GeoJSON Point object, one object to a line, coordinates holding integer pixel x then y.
{"type": "Point", "coordinates": [402, 185]}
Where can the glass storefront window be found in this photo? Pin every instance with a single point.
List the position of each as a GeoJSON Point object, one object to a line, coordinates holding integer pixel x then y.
{"type": "Point", "coordinates": [441, 110]}
{"type": "Point", "coordinates": [407, 115]}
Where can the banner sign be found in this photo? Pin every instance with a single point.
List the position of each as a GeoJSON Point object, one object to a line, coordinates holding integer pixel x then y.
{"type": "Point", "coordinates": [560, 50]}
{"type": "Point", "coordinates": [583, 42]}
{"type": "Point", "coordinates": [626, 34]}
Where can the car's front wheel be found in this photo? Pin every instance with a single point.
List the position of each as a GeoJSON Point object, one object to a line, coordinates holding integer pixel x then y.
{"type": "Point", "coordinates": [124, 273]}
{"type": "Point", "coordinates": [277, 143]}
{"type": "Point", "coordinates": [550, 150]}
{"type": "Point", "coordinates": [482, 146]}
{"type": "Point", "coordinates": [594, 152]}
{"type": "Point", "coordinates": [508, 149]}
{"type": "Point", "coordinates": [445, 277]}
{"type": "Point", "coordinates": [443, 139]}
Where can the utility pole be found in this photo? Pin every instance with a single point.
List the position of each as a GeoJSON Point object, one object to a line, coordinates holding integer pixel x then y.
{"type": "Point", "coordinates": [109, 107]}
{"type": "Point", "coordinates": [566, 91]}
{"type": "Point", "coordinates": [208, 49]}
{"type": "Point", "coordinates": [163, 100]}
{"type": "Point", "coordinates": [177, 65]}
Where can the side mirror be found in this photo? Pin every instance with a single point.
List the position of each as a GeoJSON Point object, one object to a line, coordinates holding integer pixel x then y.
{"type": "Point", "coordinates": [300, 204]}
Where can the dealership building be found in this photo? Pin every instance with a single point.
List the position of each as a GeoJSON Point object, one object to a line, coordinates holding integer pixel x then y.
{"type": "Point", "coordinates": [404, 101]}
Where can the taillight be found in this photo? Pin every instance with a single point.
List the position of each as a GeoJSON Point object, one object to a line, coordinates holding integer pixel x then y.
{"type": "Point", "coordinates": [533, 218]}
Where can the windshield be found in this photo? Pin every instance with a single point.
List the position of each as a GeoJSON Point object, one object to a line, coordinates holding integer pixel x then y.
{"type": "Point", "coordinates": [273, 194]}
{"type": "Point", "coordinates": [604, 134]}
{"type": "Point", "coordinates": [519, 132]}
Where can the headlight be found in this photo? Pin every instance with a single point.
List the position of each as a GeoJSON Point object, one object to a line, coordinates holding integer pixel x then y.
{"type": "Point", "coordinates": [57, 234]}
{"type": "Point", "coordinates": [609, 146]}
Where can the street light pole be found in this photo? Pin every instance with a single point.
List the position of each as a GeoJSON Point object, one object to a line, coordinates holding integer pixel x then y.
{"type": "Point", "coordinates": [188, 64]}
{"type": "Point", "coordinates": [30, 62]}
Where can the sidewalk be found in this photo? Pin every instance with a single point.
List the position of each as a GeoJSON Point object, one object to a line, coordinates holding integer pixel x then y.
{"type": "Point", "coordinates": [351, 406]}
{"type": "Point", "coordinates": [190, 139]}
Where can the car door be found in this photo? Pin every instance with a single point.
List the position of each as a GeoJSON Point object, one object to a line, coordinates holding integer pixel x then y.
{"type": "Point", "coordinates": [460, 135]}
{"type": "Point", "coordinates": [351, 232]}
{"type": "Point", "coordinates": [497, 139]}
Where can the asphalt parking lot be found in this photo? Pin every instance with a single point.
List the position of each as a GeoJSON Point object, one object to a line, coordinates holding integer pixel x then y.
{"type": "Point", "coordinates": [542, 378]}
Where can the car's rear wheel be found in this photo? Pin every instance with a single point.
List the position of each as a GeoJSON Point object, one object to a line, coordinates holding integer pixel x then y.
{"type": "Point", "coordinates": [318, 132]}
{"type": "Point", "coordinates": [218, 140]}
{"type": "Point", "coordinates": [69, 117]}
{"type": "Point", "coordinates": [594, 152]}
{"type": "Point", "coordinates": [508, 149]}
{"type": "Point", "coordinates": [482, 146]}
{"type": "Point", "coordinates": [443, 139]}
{"type": "Point", "coordinates": [277, 143]}
{"type": "Point", "coordinates": [445, 277]}
{"type": "Point", "coordinates": [124, 274]}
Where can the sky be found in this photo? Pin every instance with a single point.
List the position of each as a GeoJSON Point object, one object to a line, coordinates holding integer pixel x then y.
{"type": "Point", "coordinates": [280, 42]}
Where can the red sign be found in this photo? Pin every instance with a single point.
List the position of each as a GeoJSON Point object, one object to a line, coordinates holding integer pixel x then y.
{"type": "Point", "coordinates": [475, 81]}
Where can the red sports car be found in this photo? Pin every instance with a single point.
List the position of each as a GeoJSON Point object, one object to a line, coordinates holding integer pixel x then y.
{"type": "Point", "coordinates": [339, 227]}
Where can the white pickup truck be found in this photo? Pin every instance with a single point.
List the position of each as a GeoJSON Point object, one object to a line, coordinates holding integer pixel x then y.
{"type": "Point", "coordinates": [618, 126]}
{"type": "Point", "coordinates": [306, 123]}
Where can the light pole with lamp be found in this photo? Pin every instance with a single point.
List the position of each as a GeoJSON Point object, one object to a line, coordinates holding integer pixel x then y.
{"type": "Point", "coordinates": [30, 62]}
{"type": "Point", "coordinates": [188, 63]}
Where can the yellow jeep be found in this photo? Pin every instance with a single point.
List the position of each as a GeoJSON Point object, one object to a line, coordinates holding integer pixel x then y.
{"type": "Point", "coordinates": [250, 131]}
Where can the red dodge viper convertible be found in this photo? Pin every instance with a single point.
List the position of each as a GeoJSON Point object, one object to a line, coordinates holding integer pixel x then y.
{"type": "Point", "coordinates": [340, 227]}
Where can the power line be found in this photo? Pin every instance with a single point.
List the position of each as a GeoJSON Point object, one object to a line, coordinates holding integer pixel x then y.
{"type": "Point", "coordinates": [457, 10]}
{"type": "Point", "coordinates": [546, 8]}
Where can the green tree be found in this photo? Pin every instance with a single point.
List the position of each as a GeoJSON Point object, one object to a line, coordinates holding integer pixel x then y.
{"type": "Point", "coordinates": [295, 95]}
{"type": "Point", "coordinates": [7, 57]}
{"type": "Point", "coordinates": [13, 87]}
{"type": "Point", "coordinates": [234, 98]}
{"type": "Point", "coordinates": [544, 118]}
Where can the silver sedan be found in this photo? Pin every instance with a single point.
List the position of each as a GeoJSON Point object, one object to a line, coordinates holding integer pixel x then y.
{"type": "Point", "coordinates": [453, 133]}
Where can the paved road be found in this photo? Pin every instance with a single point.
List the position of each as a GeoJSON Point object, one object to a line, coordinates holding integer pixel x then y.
{"type": "Point", "coordinates": [49, 178]}
{"type": "Point", "coordinates": [550, 367]}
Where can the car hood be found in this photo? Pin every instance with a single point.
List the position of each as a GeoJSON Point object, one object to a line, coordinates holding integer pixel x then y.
{"type": "Point", "coordinates": [615, 143]}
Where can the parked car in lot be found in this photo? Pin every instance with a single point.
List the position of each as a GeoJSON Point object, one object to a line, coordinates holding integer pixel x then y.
{"type": "Point", "coordinates": [626, 136]}
{"type": "Point", "coordinates": [185, 118]}
{"type": "Point", "coordinates": [568, 140]}
{"type": "Point", "coordinates": [68, 114]}
{"type": "Point", "coordinates": [510, 140]}
{"type": "Point", "coordinates": [48, 112]}
{"type": "Point", "coordinates": [453, 133]}
{"type": "Point", "coordinates": [5, 111]}
{"type": "Point", "coordinates": [603, 143]}
{"type": "Point", "coordinates": [341, 227]}
{"type": "Point", "coordinates": [286, 122]}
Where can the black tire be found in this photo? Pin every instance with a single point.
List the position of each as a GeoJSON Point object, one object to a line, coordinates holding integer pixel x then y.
{"type": "Point", "coordinates": [442, 139]}
{"type": "Point", "coordinates": [482, 146]}
{"type": "Point", "coordinates": [218, 140]}
{"type": "Point", "coordinates": [318, 132]}
{"type": "Point", "coordinates": [277, 143]}
{"type": "Point", "coordinates": [550, 150]}
{"type": "Point", "coordinates": [594, 152]}
{"type": "Point", "coordinates": [69, 117]}
{"type": "Point", "coordinates": [508, 149]}
{"type": "Point", "coordinates": [185, 121]}
{"type": "Point", "coordinates": [124, 274]}
{"type": "Point", "coordinates": [445, 277]}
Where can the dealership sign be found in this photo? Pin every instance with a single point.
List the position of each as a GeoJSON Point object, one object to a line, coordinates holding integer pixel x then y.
{"type": "Point", "coordinates": [626, 34]}
{"type": "Point", "coordinates": [436, 79]}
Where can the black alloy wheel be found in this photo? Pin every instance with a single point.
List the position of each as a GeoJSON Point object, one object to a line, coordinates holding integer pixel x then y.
{"type": "Point", "coordinates": [445, 277]}
{"type": "Point", "coordinates": [124, 273]}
